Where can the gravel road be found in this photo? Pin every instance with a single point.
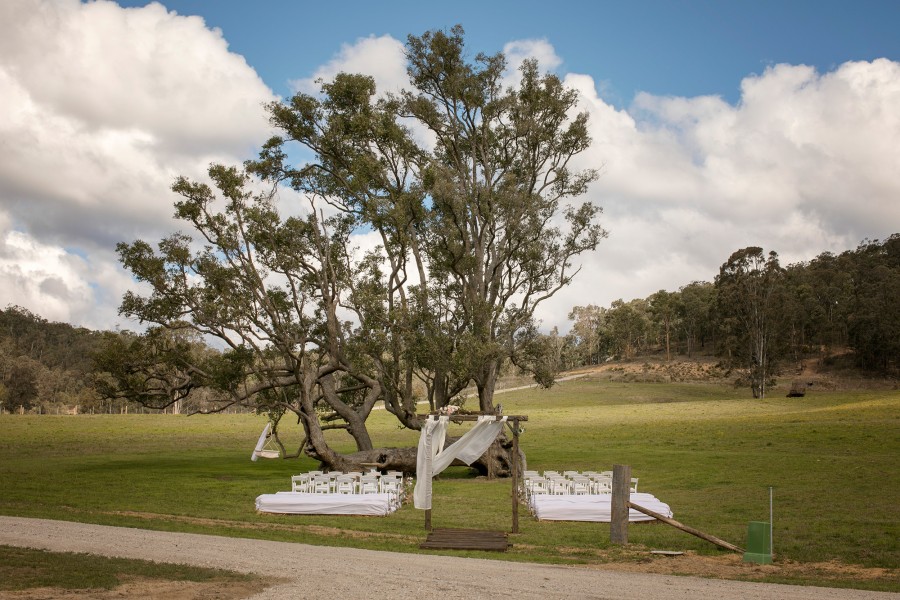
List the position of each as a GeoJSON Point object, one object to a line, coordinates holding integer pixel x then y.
{"type": "Point", "coordinates": [347, 573]}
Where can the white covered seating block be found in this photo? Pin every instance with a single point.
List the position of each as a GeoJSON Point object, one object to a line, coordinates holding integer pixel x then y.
{"type": "Point", "coordinates": [593, 507]}
{"type": "Point", "coordinates": [302, 503]}
{"type": "Point", "coordinates": [335, 493]}
{"type": "Point", "coordinates": [585, 496]}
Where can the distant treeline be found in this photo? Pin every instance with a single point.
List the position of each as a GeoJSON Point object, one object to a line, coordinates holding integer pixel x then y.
{"type": "Point", "coordinates": [49, 367]}
{"type": "Point", "coordinates": [43, 363]}
{"type": "Point", "coordinates": [831, 304]}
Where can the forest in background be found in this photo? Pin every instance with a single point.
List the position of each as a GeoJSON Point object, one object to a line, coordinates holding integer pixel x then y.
{"type": "Point", "coordinates": [844, 304]}
{"type": "Point", "coordinates": [833, 305]}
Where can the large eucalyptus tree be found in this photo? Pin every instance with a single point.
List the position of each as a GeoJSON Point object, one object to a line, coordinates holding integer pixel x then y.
{"type": "Point", "coordinates": [468, 186]}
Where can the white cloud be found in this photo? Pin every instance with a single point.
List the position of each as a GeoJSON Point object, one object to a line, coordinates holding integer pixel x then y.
{"type": "Point", "coordinates": [805, 163]}
{"type": "Point", "coordinates": [47, 280]}
{"type": "Point", "coordinates": [518, 51]}
{"type": "Point", "coordinates": [381, 58]}
{"type": "Point", "coordinates": [103, 107]}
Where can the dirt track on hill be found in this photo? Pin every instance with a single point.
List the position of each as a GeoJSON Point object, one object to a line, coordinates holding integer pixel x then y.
{"type": "Point", "coordinates": [305, 571]}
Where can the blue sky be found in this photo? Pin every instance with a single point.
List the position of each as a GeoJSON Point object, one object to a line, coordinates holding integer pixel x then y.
{"type": "Point", "coordinates": [679, 48]}
{"type": "Point", "coordinates": [716, 125]}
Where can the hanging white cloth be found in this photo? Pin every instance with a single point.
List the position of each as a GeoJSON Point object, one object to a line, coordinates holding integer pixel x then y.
{"type": "Point", "coordinates": [432, 457]}
{"type": "Point", "coordinates": [260, 444]}
{"type": "Point", "coordinates": [431, 439]}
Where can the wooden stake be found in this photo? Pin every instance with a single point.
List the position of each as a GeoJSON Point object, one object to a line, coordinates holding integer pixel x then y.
{"type": "Point", "coordinates": [621, 493]}
{"type": "Point", "coordinates": [515, 477]}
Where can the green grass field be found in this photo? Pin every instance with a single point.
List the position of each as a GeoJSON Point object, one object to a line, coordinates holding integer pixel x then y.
{"type": "Point", "coordinates": [708, 451]}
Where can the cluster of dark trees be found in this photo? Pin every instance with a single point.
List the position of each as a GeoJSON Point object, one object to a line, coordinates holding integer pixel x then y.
{"type": "Point", "coordinates": [51, 368]}
{"type": "Point", "coordinates": [758, 315]}
{"type": "Point", "coordinates": [44, 365]}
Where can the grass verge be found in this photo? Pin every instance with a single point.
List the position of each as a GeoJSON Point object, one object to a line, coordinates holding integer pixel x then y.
{"type": "Point", "coordinates": [27, 568]}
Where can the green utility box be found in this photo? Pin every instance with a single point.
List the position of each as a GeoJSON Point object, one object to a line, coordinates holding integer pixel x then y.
{"type": "Point", "coordinates": [759, 543]}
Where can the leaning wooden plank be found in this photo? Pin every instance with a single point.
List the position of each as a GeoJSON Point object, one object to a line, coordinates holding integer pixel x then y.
{"type": "Point", "coordinates": [685, 528]}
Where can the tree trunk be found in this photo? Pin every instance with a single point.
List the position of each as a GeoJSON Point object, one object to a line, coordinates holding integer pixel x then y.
{"type": "Point", "coordinates": [486, 384]}
{"type": "Point", "coordinates": [495, 462]}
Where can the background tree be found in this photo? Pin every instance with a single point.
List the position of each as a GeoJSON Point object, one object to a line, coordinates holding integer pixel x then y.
{"type": "Point", "coordinates": [664, 309]}
{"type": "Point", "coordinates": [748, 292]}
{"type": "Point", "coordinates": [830, 281]}
{"type": "Point", "coordinates": [698, 300]}
{"type": "Point", "coordinates": [588, 325]}
{"type": "Point", "coordinates": [45, 365]}
{"type": "Point", "coordinates": [874, 319]}
{"type": "Point", "coordinates": [19, 377]}
{"type": "Point", "coordinates": [628, 326]}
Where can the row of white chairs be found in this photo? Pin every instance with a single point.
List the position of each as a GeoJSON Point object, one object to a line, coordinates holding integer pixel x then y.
{"type": "Point", "coordinates": [353, 482]}
{"type": "Point", "coordinates": [570, 483]}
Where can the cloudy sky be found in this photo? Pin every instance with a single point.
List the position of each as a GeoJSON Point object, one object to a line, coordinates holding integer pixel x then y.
{"type": "Point", "coordinates": [718, 125]}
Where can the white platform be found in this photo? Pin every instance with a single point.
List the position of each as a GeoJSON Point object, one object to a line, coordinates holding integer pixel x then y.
{"type": "Point", "coordinates": [301, 503]}
{"type": "Point", "coordinates": [595, 507]}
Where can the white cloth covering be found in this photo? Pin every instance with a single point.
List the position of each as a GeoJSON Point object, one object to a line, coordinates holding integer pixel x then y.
{"type": "Point", "coordinates": [594, 507]}
{"type": "Point", "coordinates": [301, 503]}
{"type": "Point", "coordinates": [432, 457]}
{"type": "Point", "coordinates": [260, 443]}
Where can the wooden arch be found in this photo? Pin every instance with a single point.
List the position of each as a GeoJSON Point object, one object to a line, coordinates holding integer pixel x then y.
{"type": "Point", "coordinates": [512, 421]}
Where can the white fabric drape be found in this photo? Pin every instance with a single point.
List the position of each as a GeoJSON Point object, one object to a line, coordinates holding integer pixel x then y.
{"type": "Point", "coordinates": [431, 440]}
{"type": "Point", "coordinates": [432, 457]}
{"type": "Point", "coordinates": [260, 443]}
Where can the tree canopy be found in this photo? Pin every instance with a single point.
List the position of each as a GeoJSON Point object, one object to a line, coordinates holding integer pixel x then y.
{"type": "Point", "coordinates": [468, 186]}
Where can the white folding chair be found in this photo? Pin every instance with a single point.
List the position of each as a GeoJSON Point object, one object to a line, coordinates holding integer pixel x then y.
{"type": "Point", "coordinates": [321, 484]}
{"type": "Point", "coordinates": [300, 483]}
{"type": "Point", "coordinates": [368, 484]}
{"type": "Point", "coordinates": [536, 485]}
{"type": "Point", "coordinates": [392, 486]}
{"type": "Point", "coordinates": [560, 486]}
{"type": "Point", "coordinates": [345, 484]}
{"type": "Point", "coordinates": [601, 486]}
{"type": "Point", "coordinates": [581, 486]}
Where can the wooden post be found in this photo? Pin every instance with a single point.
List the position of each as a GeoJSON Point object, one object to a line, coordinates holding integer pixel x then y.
{"type": "Point", "coordinates": [427, 519]}
{"type": "Point", "coordinates": [621, 494]}
{"type": "Point", "coordinates": [515, 477]}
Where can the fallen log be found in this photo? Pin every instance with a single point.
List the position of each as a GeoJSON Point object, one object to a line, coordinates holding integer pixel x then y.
{"type": "Point", "coordinates": [685, 528]}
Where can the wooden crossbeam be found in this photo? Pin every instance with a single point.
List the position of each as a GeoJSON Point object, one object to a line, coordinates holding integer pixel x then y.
{"type": "Point", "coordinates": [458, 418]}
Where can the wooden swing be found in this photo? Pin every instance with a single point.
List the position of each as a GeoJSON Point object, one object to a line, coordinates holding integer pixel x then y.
{"type": "Point", "coordinates": [265, 446]}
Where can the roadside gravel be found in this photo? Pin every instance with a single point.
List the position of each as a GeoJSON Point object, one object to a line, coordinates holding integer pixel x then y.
{"type": "Point", "coordinates": [348, 573]}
